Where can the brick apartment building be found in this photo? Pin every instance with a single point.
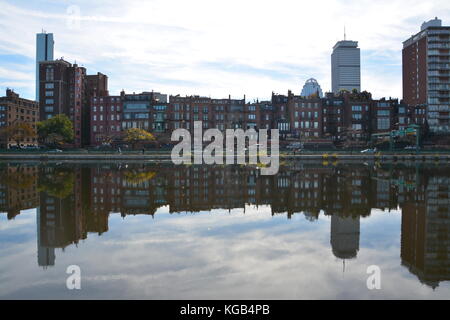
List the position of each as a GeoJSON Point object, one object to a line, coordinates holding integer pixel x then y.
{"type": "Point", "coordinates": [334, 118]}
{"type": "Point", "coordinates": [66, 88]}
{"type": "Point", "coordinates": [16, 110]}
{"type": "Point", "coordinates": [62, 91]}
{"type": "Point", "coordinates": [105, 119]}
{"type": "Point", "coordinates": [426, 74]}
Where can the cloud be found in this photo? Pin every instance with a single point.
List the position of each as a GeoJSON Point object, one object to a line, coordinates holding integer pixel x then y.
{"type": "Point", "coordinates": [214, 255]}
{"type": "Point", "coordinates": [219, 47]}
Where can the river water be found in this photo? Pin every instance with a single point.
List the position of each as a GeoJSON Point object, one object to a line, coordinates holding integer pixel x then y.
{"type": "Point", "coordinates": [157, 231]}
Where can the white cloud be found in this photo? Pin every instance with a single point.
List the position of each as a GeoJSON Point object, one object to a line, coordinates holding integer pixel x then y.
{"type": "Point", "coordinates": [221, 47]}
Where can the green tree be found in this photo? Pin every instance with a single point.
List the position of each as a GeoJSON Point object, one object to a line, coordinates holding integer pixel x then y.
{"type": "Point", "coordinates": [56, 130]}
{"type": "Point", "coordinates": [58, 183]}
{"type": "Point", "coordinates": [18, 132]}
{"type": "Point", "coordinates": [135, 136]}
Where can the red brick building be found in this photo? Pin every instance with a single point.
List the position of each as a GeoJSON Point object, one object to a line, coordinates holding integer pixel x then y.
{"type": "Point", "coordinates": [14, 110]}
{"type": "Point", "coordinates": [105, 119]}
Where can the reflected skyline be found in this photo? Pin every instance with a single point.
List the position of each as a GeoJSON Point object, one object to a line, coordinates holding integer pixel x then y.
{"type": "Point", "coordinates": [75, 200]}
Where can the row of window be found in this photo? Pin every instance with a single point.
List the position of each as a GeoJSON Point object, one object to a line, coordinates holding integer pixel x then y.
{"type": "Point", "coordinates": [306, 125]}
{"type": "Point", "coordinates": [309, 105]}
{"type": "Point", "coordinates": [101, 109]}
{"type": "Point", "coordinates": [101, 118]}
{"type": "Point", "coordinates": [308, 114]}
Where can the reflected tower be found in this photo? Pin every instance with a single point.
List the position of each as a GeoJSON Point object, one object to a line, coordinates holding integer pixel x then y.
{"type": "Point", "coordinates": [345, 236]}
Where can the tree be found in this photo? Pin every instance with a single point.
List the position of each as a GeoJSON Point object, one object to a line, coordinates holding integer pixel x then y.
{"type": "Point", "coordinates": [135, 135]}
{"type": "Point", "coordinates": [56, 130]}
{"type": "Point", "coordinates": [19, 132]}
{"type": "Point", "coordinates": [58, 183]}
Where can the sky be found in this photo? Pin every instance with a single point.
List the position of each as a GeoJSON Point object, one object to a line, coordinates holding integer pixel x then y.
{"type": "Point", "coordinates": [212, 48]}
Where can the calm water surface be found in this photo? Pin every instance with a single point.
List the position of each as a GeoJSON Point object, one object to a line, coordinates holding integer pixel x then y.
{"type": "Point", "coordinates": [164, 232]}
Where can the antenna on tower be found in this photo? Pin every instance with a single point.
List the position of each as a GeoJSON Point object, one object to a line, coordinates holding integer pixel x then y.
{"type": "Point", "coordinates": [345, 34]}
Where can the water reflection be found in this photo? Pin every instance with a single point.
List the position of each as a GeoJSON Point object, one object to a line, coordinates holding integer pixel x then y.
{"type": "Point", "coordinates": [73, 200]}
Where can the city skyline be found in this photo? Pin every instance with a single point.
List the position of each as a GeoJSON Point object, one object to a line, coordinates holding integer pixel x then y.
{"type": "Point", "coordinates": [200, 54]}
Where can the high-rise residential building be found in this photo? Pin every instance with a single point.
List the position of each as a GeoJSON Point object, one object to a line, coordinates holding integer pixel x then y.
{"type": "Point", "coordinates": [426, 73]}
{"type": "Point", "coordinates": [310, 88]}
{"type": "Point", "coordinates": [63, 91]}
{"type": "Point", "coordinates": [44, 52]}
{"type": "Point", "coordinates": [346, 66]}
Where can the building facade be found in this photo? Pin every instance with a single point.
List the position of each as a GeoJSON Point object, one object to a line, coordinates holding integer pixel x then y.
{"type": "Point", "coordinates": [312, 87]}
{"type": "Point", "coordinates": [426, 73]}
{"type": "Point", "coordinates": [63, 91]}
{"type": "Point", "coordinates": [15, 110]}
{"type": "Point", "coordinates": [346, 66]}
{"type": "Point", "coordinates": [106, 120]}
{"type": "Point", "coordinates": [44, 52]}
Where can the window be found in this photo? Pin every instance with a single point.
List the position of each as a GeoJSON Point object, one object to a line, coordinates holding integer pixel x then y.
{"type": "Point", "coordinates": [384, 113]}
{"type": "Point", "coordinates": [252, 117]}
{"type": "Point", "coordinates": [383, 124]}
{"type": "Point", "coordinates": [356, 108]}
{"type": "Point", "coordinates": [49, 101]}
{"type": "Point", "coordinates": [49, 74]}
{"type": "Point", "coordinates": [49, 86]}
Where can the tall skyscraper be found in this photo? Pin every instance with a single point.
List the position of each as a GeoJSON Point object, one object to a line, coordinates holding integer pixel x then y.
{"type": "Point", "coordinates": [426, 73]}
{"type": "Point", "coordinates": [346, 66]}
{"type": "Point", "coordinates": [44, 52]}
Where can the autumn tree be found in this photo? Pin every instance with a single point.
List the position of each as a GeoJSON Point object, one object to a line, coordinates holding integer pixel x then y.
{"type": "Point", "coordinates": [135, 136]}
{"type": "Point", "coordinates": [19, 132]}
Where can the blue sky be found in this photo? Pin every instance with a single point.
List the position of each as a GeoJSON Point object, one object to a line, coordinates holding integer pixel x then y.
{"type": "Point", "coordinates": [212, 48]}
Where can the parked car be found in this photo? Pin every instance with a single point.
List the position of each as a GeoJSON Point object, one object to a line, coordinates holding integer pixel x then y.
{"type": "Point", "coordinates": [31, 148]}
{"type": "Point", "coordinates": [294, 146]}
{"type": "Point", "coordinates": [55, 151]}
{"type": "Point", "coordinates": [412, 148]}
{"type": "Point", "coordinates": [369, 151]}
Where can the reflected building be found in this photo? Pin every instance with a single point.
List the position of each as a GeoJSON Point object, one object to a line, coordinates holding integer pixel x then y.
{"type": "Point", "coordinates": [425, 237]}
{"type": "Point", "coordinates": [345, 236]}
{"type": "Point", "coordinates": [18, 189]}
{"type": "Point", "coordinates": [75, 200]}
